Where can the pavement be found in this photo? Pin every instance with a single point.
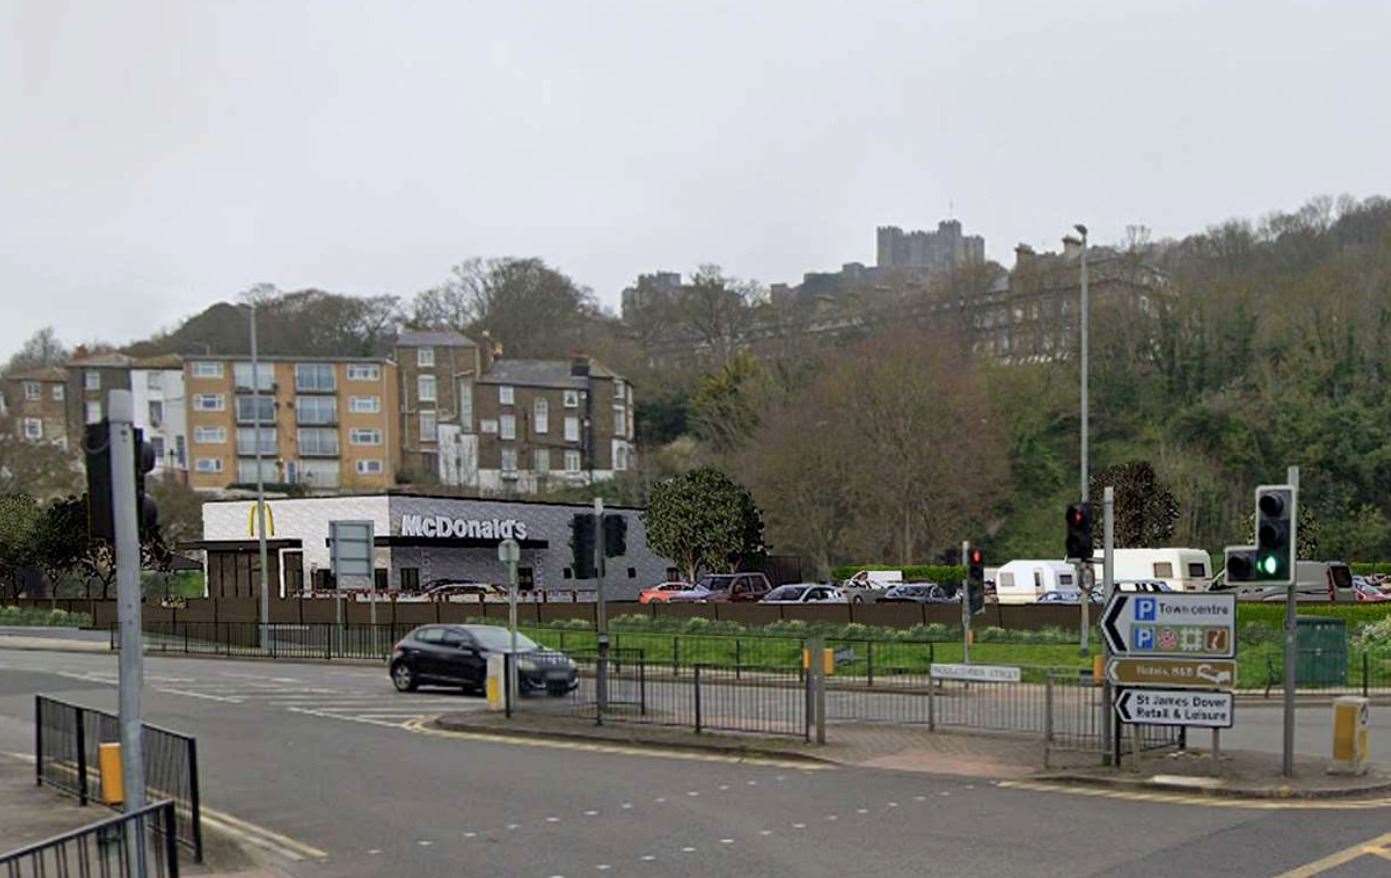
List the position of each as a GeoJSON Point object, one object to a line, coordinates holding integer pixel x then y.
{"type": "Point", "coordinates": [326, 770]}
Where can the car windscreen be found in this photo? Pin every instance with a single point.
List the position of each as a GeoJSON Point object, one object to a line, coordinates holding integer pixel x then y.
{"type": "Point", "coordinates": [498, 640]}
{"type": "Point", "coordinates": [1342, 577]}
{"type": "Point", "coordinates": [786, 593]}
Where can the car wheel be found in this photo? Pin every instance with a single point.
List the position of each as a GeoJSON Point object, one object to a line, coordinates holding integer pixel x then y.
{"type": "Point", "coordinates": [857, 599]}
{"type": "Point", "coordinates": [402, 677]}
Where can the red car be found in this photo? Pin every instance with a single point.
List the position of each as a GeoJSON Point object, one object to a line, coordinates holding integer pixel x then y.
{"type": "Point", "coordinates": [662, 593]}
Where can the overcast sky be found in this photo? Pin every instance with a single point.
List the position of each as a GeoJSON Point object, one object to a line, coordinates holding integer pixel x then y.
{"type": "Point", "coordinates": [156, 157]}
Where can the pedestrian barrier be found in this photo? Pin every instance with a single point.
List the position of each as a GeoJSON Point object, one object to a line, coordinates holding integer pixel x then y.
{"type": "Point", "coordinates": [67, 738]}
{"type": "Point", "coordinates": [140, 843]}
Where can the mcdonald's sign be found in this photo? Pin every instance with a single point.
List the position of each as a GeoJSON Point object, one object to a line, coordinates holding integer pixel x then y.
{"type": "Point", "coordinates": [251, 521]}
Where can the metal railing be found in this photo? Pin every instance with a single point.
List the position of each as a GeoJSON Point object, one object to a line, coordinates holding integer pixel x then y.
{"type": "Point", "coordinates": [139, 844]}
{"type": "Point", "coordinates": [307, 640]}
{"type": "Point", "coordinates": [67, 738]}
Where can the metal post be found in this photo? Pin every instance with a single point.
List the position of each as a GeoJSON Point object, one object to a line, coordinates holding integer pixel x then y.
{"type": "Point", "coordinates": [195, 800]}
{"type": "Point", "coordinates": [601, 678]}
{"type": "Point", "coordinates": [38, 740]}
{"type": "Point", "coordinates": [1216, 744]}
{"type": "Point", "coordinates": [695, 671]}
{"type": "Point", "coordinates": [1291, 638]}
{"type": "Point", "coordinates": [260, 482]}
{"type": "Point", "coordinates": [1086, 331]}
{"type": "Point", "coordinates": [931, 702]}
{"type": "Point", "coordinates": [1047, 717]}
{"type": "Point", "coordinates": [1108, 584]}
{"type": "Point", "coordinates": [965, 607]}
{"type": "Point", "coordinates": [512, 628]}
{"type": "Point", "coordinates": [819, 672]}
{"type": "Point", "coordinates": [1085, 630]}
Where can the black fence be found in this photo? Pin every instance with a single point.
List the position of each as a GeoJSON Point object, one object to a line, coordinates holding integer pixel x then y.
{"type": "Point", "coordinates": [67, 738]}
{"type": "Point", "coordinates": [307, 640]}
{"type": "Point", "coordinates": [140, 844]}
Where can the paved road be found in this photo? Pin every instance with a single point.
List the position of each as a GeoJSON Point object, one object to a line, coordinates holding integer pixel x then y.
{"type": "Point", "coordinates": [328, 756]}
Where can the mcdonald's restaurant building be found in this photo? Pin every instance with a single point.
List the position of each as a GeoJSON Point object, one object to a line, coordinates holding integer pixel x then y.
{"type": "Point", "coordinates": [419, 540]}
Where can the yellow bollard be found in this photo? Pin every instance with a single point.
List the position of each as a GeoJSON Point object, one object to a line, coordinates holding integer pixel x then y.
{"type": "Point", "coordinates": [1098, 668]}
{"type": "Point", "coordinates": [113, 786]}
{"type": "Point", "coordinates": [1351, 738]}
{"type": "Point", "coordinates": [828, 662]}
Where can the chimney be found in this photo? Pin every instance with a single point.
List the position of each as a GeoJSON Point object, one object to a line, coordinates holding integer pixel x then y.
{"type": "Point", "coordinates": [1072, 247]}
{"type": "Point", "coordinates": [579, 365]}
{"type": "Point", "coordinates": [1023, 253]}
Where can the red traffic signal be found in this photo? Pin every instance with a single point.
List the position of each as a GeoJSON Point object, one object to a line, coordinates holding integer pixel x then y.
{"type": "Point", "coordinates": [1079, 531]}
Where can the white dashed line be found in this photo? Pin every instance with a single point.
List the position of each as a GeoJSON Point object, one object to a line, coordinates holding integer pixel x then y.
{"type": "Point", "coordinates": [693, 792]}
{"type": "Point", "coordinates": [627, 806]}
{"type": "Point", "coordinates": [832, 817]}
{"type": "Point", "coordinates": [647, 858]}
{"type": "Point", "coordinates": [424, 843]}
{"type": "Point", "coordinates": [765, 832]}
{"type": "Point", "coordinates": [724, 786]}
{"type": "Point", "coordinates": [374, 851]}
{"type": "Point", "coordinates": [861, 810]}
{"type": "Point", "coordinates": [688, 850]}
{"type": "Point", "coordinates": [726, 841]}
{"type": "Point", "coordinates": [660, 800]}
{"type": "Point", "coordinates": [893, 804]}
{"type": "Point", "coordinates": [591, 813]}
{"type": "Point", "coordinates": [552, 819]}
{"type": "Point", "coordinates": [513, 826]}
{"type": "Point", "coordinates": [799, 826]}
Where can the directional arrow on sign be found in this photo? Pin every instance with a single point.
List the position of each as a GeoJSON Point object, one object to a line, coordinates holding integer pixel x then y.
{"type": "Point", "coordinates": [1175, 707]}
{"type": "Point", "coordinates": [1114, 638]}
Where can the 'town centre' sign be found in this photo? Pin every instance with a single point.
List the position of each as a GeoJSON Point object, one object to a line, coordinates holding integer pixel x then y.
{"type": "Point", "coordinates": [443, 527]}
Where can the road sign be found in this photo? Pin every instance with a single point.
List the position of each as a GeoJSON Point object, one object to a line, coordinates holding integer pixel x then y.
{"type": "Point", "coordinates": [974, 673]}
{"type": "Point", "coordinates": [1175, 707]}
{"type": "Point", "coordinates": [351, 553]}
{"type": "Point", "coordinates": [1174, 673]}
{"type": "Point", "coordinates": [1176, 625]}
{"type": "Point", "coordinates": [509, 552]}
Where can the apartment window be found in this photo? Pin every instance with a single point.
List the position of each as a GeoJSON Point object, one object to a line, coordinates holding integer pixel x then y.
{"type": "Point", "coordinates": [425, 357]}
{"type": "Point", "coordinates": [364, 405]}
{"type": "Point", "coordinates": [319, 473]}
{"type": "Point", "coordinates": [255, 409]}
{"type": "Point", "coordinates": [246, 441]}
{"type": "Point", "coordinates": [318, 442]}
{"type": "Point", "coordinates": [429, 427]}
{"type": "Point", "coordinates": [364, 372]}
{"type": "Point", "coordinates": [487, 425]}
{"type": "Point", "coordinates": [572, 399]}
{"type": "Point", "coordinates": [60, 393]}
{"type": "Point", "coordinates": [209, 435]}
{"type": "Point", "coordinates": [316, 410]}
{"type": "Point", "coordinates": [504, 394]}
{"type": "Point", "coordinates": [208, 465]}
{"type": "Point", "coordinates": [154, 380]}
{"type": "Point", "coordinates": [179, 449]}
{"type": "Point", "coordinates": [572, 429]}
{"type": "Point", "coordinates": [509, 460]}
{"type": "Point", "coordinates": [32, 391]}
{"type": "Point", "coordinates": [362, 436]}
{"type": "Point", "coordinates": [156, 412]}
{"type": "Point", "coordinates": [620, 420]}
{"type": "Point", "coordinates": [246, 471]}
{"type": "Point", "coordinates": [572, 461]}
{"type": "Point", "coordinates": [264, 378]}
{"type": "Point", "coordinates": [369, 467]}
{"type": "Point", "coordinates": [425, 388]}
{"type": "Point", "coordinates": [618, 390]}
{"type": "Point", "coordinates": [33, 428]}
{"type": "Point", "coordinates": [92, 379]}
{"type": "Point", "coordinates": [507, 427]}
{"type": "Point", "coordinates": [541, 460]}
{"type": "Point", "coordinates": [314, 378]}
{"type": "Point", "coordinates": [93, 412]}
{"type": "Point", "coordinates": [466, 406]}
{"type": "Point", "coordinates": [540, 415]}
{"type": "Point", "coordinates": [208, 402]}
{"type": "Point", "coordinates": [207, 369]}
{"type": "Point", "coordinates": [620, 456]}
{"type": "Point", "coordinates": [410, 579]}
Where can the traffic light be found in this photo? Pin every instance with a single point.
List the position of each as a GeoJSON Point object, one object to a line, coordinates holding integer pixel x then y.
{"type": "Point", "coordinates": [1275, 555]}
{"type": "Point", "coordinates": [582, 545]}
{"type": "Point", "coordinates": [96, 449]}
{"type": "Point", "coordinates": [1079, 532]}
{"type": "Point", "coordinates": [615, 535]}
{"type": "Point", "coordinates": [975, 580]}
{"type": "Point", "coordinates": [1241, 563]}
{"type": "Point", "coordinates": [147, 513]}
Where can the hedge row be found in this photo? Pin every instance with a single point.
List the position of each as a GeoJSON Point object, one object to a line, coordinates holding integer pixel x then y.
{"type": "Point", "coordinates": [911, 572]}
{"type": "Point", "coordinates": [1273, 614]}
{"type": "Point", "coordinates": [1362, 568]}
{"type": "Point", "coordinates": [38, 616]}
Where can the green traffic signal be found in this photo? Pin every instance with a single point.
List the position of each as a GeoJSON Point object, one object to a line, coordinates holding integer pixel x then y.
{"type": "Point", "coordinates": [1270, 565]}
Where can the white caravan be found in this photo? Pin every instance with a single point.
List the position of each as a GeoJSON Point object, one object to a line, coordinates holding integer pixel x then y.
{"type": "Point", "coordinates": [1024, 582]}
{"type": "Point", "coordinates": [1181, 569]}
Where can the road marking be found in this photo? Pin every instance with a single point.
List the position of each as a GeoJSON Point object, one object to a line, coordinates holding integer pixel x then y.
{"type": "Point", "coordinates": [1372, 847]}
{"type": "Point", "coordinates": [283, 845]}
{"type": "Point", "coordinates": [419, 727]}
{"type": "Point", "coordinates": [1207, 801]}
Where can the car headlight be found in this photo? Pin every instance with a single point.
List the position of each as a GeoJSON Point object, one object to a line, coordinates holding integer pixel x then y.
{"type": "Point", "coordinates": [526, 665]}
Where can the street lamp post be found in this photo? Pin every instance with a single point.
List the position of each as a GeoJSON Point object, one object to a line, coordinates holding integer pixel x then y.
{"type": "Point", "coordinates": [1084, 565]}
{"type": "Point", "coordinates": [260, 482]}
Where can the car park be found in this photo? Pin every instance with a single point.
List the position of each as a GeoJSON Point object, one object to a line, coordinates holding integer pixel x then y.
{"type": "Point", "coordinates": [805, 593]}
{"type": "Point", "coordinates": [725, 588]}
{"type": "Point", "coordinates": [917, 593]}
{"type": "Point", "coordinates": [663, 592]}
{"type": "Point", "coordinates": [457, 655]}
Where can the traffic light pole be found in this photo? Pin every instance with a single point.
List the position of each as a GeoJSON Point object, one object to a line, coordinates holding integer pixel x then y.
{"type": "Point", "coordinates": [965, 603]}
{"type": "Point", "coordinates": [1108, 544]}
{"type": "Point", "coordinates": [1291, 632]}
{"type": "Point", "coordinates": [601, 620]}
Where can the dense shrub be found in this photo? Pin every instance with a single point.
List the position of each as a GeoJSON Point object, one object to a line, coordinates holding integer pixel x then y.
{"type": "Point", "coordinates": [37, 616]}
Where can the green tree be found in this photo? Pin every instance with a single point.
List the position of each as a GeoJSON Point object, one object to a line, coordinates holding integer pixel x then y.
{"type": "Point", "coordinates": [39, 469]}
{"type": "Point", "coordinates": [1145, 511]}
{"type": "Point", "coordinates": [19, 516]}
{"type": "Point", "coordinates": [703, 520]}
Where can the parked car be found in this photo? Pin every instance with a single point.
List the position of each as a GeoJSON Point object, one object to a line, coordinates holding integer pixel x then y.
{"type": "Point", "coordinates": [457, 655]}
{"type": "Point", "coordinates": [1364, 591]}
{"type": "Point", "coordinates": [917, 593]}
{"type": "Point", "coordinates": [725, 588]}
{"type": "Point", "coordinates": [1150, 585]}
{"type": "Point", "coordinates": [805, 593]}
{"type": "Point", "coordinates": [1068, 597]}
{"type": "Point", "coordinates": [662, 593]}
{"type": "Point", "coordinates": [460, 590]}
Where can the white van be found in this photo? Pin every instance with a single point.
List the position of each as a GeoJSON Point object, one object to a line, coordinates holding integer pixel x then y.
{"type": "Point", "coordinates": [1024, 582]}
{"type": "Point", "coordinates": [1314, 581]}
{"type": "Point", "coordinates": [1182, 569]}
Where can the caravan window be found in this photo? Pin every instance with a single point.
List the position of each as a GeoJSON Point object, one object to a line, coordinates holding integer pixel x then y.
{"type": "Point", "coordinates": [1163, 570]}
{"type": "Point", "coordinates": [1197, 568]}
{"type": "Point", "coordinates": [1064, 579]}
{"type": "Point", "coordinates": [1038, 578]}
{"type": "Point", "coordinates": [1006, 580]}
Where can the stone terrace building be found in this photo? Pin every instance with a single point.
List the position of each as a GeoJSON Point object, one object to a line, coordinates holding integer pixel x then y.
{"type": "Point", "coordinates": [437, 371]}
{"type": "Point", "coordinates": [37, 401]}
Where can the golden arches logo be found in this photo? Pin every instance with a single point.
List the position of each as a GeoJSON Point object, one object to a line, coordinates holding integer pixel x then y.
{"type": "Point", "coordinates": [251, 520]}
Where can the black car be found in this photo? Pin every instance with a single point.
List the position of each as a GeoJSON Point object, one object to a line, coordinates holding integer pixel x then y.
{"type": "Point", "coordinates": [925, 593]}
{"type": "Point", "coordinates": [457, 655]}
